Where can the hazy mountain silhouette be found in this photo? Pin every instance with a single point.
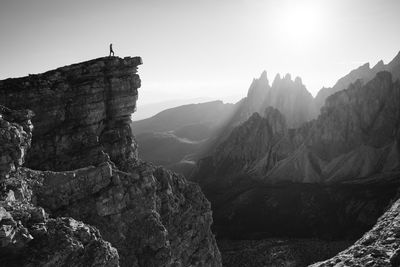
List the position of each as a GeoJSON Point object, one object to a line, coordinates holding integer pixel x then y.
{"type": "Point", "coordinates": [148, 110]}
{"type": "Point", "coordinates": [207, 125]}
{"type": "Point", "coordinates": [356, 135]}
{"type": "Point", "coordinates": [177, 137]}
{"type": "Point", "coordinates": [365, 73]}
{"type": "Point", "coordinates": [289, 96]}
{"type": "Point", "coordinates": [355, 141]}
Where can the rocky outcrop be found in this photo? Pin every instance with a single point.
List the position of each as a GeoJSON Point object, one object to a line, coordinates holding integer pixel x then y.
{"type": "Point", "coordinates": [378, 247]}
{"type": "Point", "coordinates": [153, 217]}
{"type": "Point", "coordinates": [80, 110]}
{"type": "Point", "coordinates": [140, 212]}
{"type": "Point", "coordinates": [28, 237]}
{"type": "Point", "coordinates": [15, 138]}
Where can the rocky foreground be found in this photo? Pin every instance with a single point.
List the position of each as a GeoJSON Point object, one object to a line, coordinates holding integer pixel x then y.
{"type": "Point", "coordinates": [378, 247]}
{"type": "Point", "coordinates": [84, 198]}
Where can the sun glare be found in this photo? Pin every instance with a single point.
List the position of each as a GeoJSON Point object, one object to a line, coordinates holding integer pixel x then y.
{"type": "Point", "coordinates": [302, 24]}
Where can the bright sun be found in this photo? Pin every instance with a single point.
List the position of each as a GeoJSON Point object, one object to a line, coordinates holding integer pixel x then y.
{"type": "Point", "coordinates": [301, 23]}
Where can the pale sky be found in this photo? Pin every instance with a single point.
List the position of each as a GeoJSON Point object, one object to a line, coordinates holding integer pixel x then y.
{"type": "Point", "coordinates": [201, 48]}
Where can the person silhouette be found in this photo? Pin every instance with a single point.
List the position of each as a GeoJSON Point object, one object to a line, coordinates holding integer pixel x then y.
{"type": "Point", "coordinates": [111, 50]}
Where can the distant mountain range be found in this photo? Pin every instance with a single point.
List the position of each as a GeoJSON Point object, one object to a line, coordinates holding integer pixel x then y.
{"type": "Point", "coordinates": [342, 165]}
{"type": "Point", "coordinates": [364, 73]}
{"type": "Point", "coordinates": [178, 137]}
{"type": "Point", "coordinates": [280, 161]}
{"type": "Point", "coordinates": [356, 135]}
{"type": "Point", "coordinates": [186, 133]}
{"type": "Point", "coordinates": [148, 110]}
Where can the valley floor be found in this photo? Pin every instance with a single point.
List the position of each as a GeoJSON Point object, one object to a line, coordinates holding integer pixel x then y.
{"type": "Point", "coordinates": [278, 252]}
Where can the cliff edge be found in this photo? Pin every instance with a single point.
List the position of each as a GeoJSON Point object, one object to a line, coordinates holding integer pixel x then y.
{"type": "Point", "coordinates": [83, 164]}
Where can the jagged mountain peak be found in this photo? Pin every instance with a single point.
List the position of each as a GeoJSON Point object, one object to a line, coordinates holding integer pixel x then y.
{"type": "Point", "coordinates": [365, 66]}
{"type": "Point", "coordinates": [276, 79]}
{"type": "Point", "coordinates": [263, 76]}
{"type": "Point", "coordinates": [395, 60]}
{"type": "Point", "coordinates": [287, 81]}
{"type": "Point", "coordinates": [298, 80]}
{"type": "Point", "coordinates": [364, 72]}
{"type": "Point", "coordinates": [288, 77]}
{"type": "Point", "coordinates": [379, 65]}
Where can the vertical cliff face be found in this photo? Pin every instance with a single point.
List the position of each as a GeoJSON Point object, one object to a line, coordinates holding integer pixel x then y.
{"type": "Point", "coordinates": [153, 217]}
{"type": "Point", "coordinates": [80, 109]}
{"type": "Point", "coordinates": [15, 138]}
{"type": "Point", "coordinates": [28, 237]}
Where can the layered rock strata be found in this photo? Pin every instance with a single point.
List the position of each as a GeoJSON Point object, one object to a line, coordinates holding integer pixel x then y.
{"type": "Point", "coordinates": [80, 110]}
{"type": "Point", "coordinates": [152, 216]}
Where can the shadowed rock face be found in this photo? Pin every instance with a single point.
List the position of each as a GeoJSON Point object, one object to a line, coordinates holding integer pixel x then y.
{"type": "Point", "coordinates": [257, 139]}
{"type": "Point", "coordinates": [28, 237]}
{"type": "Point", "coordinates": [79, 110]}
{"type": "Point", "coordinates": [15, 138]}
{"type": "Point", "coordinates": [378, 247]}
{"type": "Point", "coordinates": [153, 217]}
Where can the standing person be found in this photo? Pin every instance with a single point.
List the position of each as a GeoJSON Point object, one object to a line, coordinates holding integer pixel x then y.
{"type": "Point", "coordinates": [111, 50]}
